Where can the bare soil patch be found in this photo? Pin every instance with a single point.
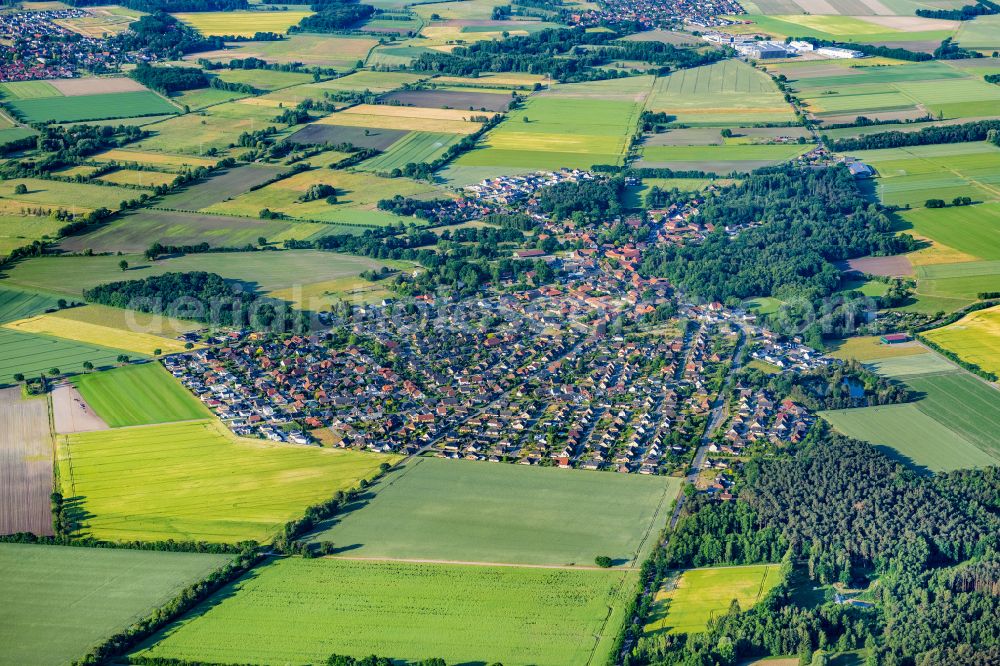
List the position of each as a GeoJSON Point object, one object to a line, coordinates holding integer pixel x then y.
{"type": "Point", "coordinates": [96, 86]}
{"type": "Point", "coordinates": [333, 135]}
{"type": "Point", "coordinates": [450, 99]}
{"type": "Point", "coordinates": [894, 266]}
{"type": "Point", "coordinates": [25, 464]}
{"type": "Point", "coordinates": [71, 413]}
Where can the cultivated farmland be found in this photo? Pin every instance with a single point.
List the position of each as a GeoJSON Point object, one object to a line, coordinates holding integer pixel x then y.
{"type": "Point", "coordinates": [195, 481]}
{"type": "Point", "coordinates": [241, 24]}
{"type": "Point", "coordinates": [91, 107]}
{"type": "Point", "coordinates": [33, 355]}
{"type": "Point", "coordinates": [975, 338]}
{"type": "Point", "coordinates": [454, 510]}
{"type": "Point", "coordinates": [18, 304]}
{"type": "Point", "coordinates": [139, 395]}
{"type": "Point", "coordinates": [98, 334]}
{"type": "Point", "coordinates": [340, 51]}
{"type": "Point", "coordinates": [25, 465]}
{"type": "Point", "coordinates": [416, 147]}
{"type": "Point", "coordinates": [61, 601]}
{"type": "Point", "coordinates": [548, 617]}
{"type": "Point", "coordinates": [689, 599]}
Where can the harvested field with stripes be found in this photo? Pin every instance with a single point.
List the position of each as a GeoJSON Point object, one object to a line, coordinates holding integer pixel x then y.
{"type": "Point", "coordinates": [25, 464]}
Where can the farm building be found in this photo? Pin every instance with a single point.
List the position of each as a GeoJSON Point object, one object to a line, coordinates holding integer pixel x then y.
{"type": "Point", "coordinates": [895, 338]}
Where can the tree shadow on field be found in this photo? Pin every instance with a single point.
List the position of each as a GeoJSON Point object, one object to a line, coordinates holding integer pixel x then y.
{"type": "Point", "coordinates": [359, 502]}
{"type": "Point", "coordinates": [75, 513]}
{"type": "Point", "coordinates": [904, 459]}
{"type": "Point", "coordinates": [221, 596]}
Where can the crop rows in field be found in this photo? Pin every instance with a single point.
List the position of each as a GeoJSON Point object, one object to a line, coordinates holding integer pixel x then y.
{"type": "Point", "coordinates": [59, 601]}
{"type": "Point", "coordinates": [33, 355]}
{"type": "Point", "coordinates": [91, 107]}
{"type": "Point", "coordinates": [25, 465]}
{"type": "Point", "coordinates": [17, 304]}
{"type": "Point", "coordinates": [139, 395]}
{"type": "Point", "coordinates": [416, 147]}
{"type": "Point", "coordinates": [195, 481]}
{"type": "Point", "coordinates": [463, 614]}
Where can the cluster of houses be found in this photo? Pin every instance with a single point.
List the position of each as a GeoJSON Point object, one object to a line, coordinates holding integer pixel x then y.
{"type": "Point", "coordinates": [33, 46]}
{"type": "Point", "coordinates": [758, 419]}
{"type": "Point", "coordinates": [651, 14]}
{"type": "Point", "coordinates": [509, 190]}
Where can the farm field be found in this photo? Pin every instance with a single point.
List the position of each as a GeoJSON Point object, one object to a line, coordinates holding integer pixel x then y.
{"type": "Point", "coordinates": [197, 133]}
{"type": "Point", "coordinates": [139, 395]}
{"type": "Point", "coordinates": [97, 334]}
{"type": "Point", "coordinates": [18, 304]}
{"type": "Point", "coordinates": [719, 159]}
{"type": "Point", "coordinates": [339, 51]}
{"type": "Point", "coordinates": [357, 198]}
{"type": "Point", "coordinates": [241, 24]}
{"type": "Point", "coordinates": [267, 271]}
{"type": "Point", "coordinates": [692, 597]}
{"type": "Point", "coordinates": [408, 118]}
{"type": "Point", "coordinates": [548, 617]}
{"type": "Point", "coordinates": [723, 94]}
{"type": "Point", "coordinates": [74, 197]}
{"type": "Point", "coordinates": [415, 147]}
{"type": "Point", "coordinates": [118, 318]}
{"type": "Point", "coordinates": [860, 29]}
{"type": "Point", "coordinates": [450, 99]}
{"type": "Point", "coordinates": [371, 80]}
{"type": "Point", "coordinates": [914, 174]}
{"type": "Point", "coordinates": [437, 509]}
{"type": "Point", "coordinates": [225, 185]}
{"type": "Point", "coordinates": [25, 465]}
{"type": "Point", "coordinates": [157, 160]}
{"type": "Point", "coordinates": [584, 124]}
{"type": "Point", "coordinates": [972, 230]}
{"type": "Point", "coordinates": [17, 231]}
{"type": "Point", "coordinates": [975, 338]}
{"type": "Point", "coordinates": [870, 348]}
{"type": "Point", "coordinates": [61, 601]}
{"type": "Point", "coordinates": [942, 286]}
{"type": "Point", "coordinates": [91, 107]}
{"type": "Point", "coordinates": [33, 355]}
{"type": "Point", "coordinates": [262, 79]}
{"type": "Point", "coordinates": [148, 179]}
{"type": "Point", "coordinates": [960, 410]}
{"type": "Point", "coordinates": [196, 481]}
{"type": "Point", "coordinates": [138, 230]}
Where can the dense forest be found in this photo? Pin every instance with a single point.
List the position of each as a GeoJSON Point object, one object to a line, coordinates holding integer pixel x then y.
{"type": "Point", "coordinates": [805, 220]}
{"type": "Point", "coordinates": [162, 34]}
{"type": "Point", "coordinates": [965, 13]}
{"type": "Point", "coordinates": [830, 511]}
{"type": "Point", "coordinates": [169, 79]}
{"type": "Point", "coordinates": [334, 16]}
{"type": "Point", "coordinates": [205, 297]}
{"type": "Point", "coordinates": [974, 131]}
{"type": "Point", "coordinates": [544, 53]}
{"type": "Point", "coordinates": [586, 201]}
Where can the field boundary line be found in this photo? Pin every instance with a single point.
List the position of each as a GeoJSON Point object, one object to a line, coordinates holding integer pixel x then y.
{"type": "Point", "coordinates": [471, 563]}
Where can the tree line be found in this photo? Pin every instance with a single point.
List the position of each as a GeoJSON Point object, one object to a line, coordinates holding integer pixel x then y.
{"type": "Point", "coordinates": [974, 131]}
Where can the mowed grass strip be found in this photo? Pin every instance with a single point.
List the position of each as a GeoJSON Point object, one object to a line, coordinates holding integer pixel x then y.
{"type": "Point", "coordinates": [196, 481]}
{"type": "Point", "coordinates": [61, 601]}
{"type": "Point", "coordinates": [91, 333]}
{"type": "Point", "coordinates": [139, 395]}
{"type": "Point", "coordinates": [695, 596]}
{"type": "Point", "coordinates": [457, 510]}
{"type": "Point", "coordinates": [463, 614]}
{"type": "Point", "coordinates": [975, 338]}
{"type": "Point", "coordinates": [92, 107]}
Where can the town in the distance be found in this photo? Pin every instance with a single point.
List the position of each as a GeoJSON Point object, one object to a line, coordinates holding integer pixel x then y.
{"type": "Point", "coordinates": [500, 332]}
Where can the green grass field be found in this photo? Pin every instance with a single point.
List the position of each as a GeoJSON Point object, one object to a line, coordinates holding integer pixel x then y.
{"type": "Point", "coordinates": [17, 304]}
{"type": "Point", "coordinates": [33, 355]}
{"type": "Point", "coordinates": [263, 79]}
{"type": "Point", "coordinates": [195, 481]}
{"type": "Point", "coordinates": [974, 230]}
{"type": "Point", "coordinates": [724, 94]}
{"type": "Point", "coordinates": [268, 271]}
{"type": "Point", "coordinates": [911, 176]}
{"type": "Point", "coordinates": [91, 107]}
{"type": "Point", "coordinates": [74, 197]}
{"type": "Point", "coordinates": [720, 159]}
{"type": "Point", "coordinates": [456, 510]}
{"type": "Point", "coordinates": [302, 611]}
{"type": "Point", "coordinates": [416, 147]}
{"type": "Point", "coordinates": [690, 600]}
{"type": "Point", "coordinates": [139, 395]}
{"type": "Point", "coordinates": [951, 426]}
{"type": "Point", "coordinates": [28, 90]}
{"type": "Point", "coordinates": [580, 125]}
{"type": "Point", "coordinates": [61, 601]}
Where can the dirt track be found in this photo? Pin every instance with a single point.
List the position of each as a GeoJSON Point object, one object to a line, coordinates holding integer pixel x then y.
{"type": "Point", "coordinates": [71, 413]}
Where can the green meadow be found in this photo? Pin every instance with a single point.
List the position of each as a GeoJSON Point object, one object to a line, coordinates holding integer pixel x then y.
{"type": "Point", "coordinates": [139, 395]}
{"type": "Point", "coordinates": [91, 107]}
{"type": "Point", "coordinates": [61, 601]}
{"type": "Point", "coordinates": [691, 598]}
{"type": "Point", "coordinates": [195, 481]}
{"type": "Point", "coordinates": [974, 230]}
{"type": "Point", "coordinates": [33, 355]}
{"type": "Point", "coordinates": [438, 509]}
{"type": "Point", "coordinates": [302, 611]}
